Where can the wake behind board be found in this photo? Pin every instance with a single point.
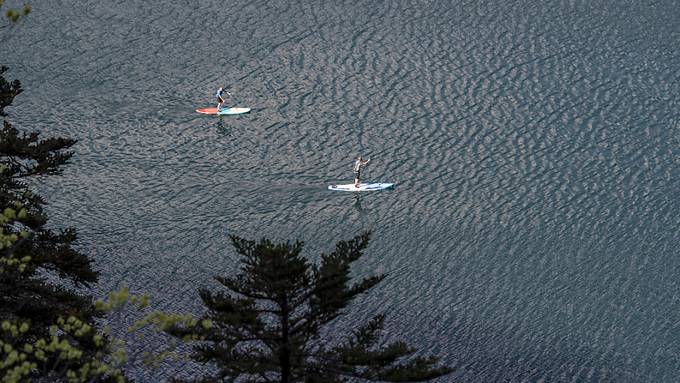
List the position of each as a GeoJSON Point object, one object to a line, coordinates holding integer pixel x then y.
{"type": "Point", "coordinates": [362, 187]}
{"type": "Point", "coordinates": [223, 111]}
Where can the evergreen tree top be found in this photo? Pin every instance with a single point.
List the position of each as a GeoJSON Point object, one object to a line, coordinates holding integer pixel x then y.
{"type": "Point", "coordinates": [266, 323]}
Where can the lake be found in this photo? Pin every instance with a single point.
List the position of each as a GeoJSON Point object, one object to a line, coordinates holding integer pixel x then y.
{"type": "Point", "coordinates": [533, 231]}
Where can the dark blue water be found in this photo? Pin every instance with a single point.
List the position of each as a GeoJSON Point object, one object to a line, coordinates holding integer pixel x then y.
{"type": "Point", "coordinates": [533, 233]}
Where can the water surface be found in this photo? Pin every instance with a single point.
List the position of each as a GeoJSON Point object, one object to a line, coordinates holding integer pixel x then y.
{"type": "Point", "coordinates": [532, 235]}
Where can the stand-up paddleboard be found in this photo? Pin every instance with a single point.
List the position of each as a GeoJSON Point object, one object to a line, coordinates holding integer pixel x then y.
{"type": "Point", "coordinates": [362, 187]}
{"type": "Point", "coordinates": [223, 111]}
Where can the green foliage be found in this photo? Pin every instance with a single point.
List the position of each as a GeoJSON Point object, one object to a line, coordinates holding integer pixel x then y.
{"type": "Point", "coordinates": [36, 340]}
{"type": "Point", "coordinates": [27, 154]}
{"type": "Point", "coordinates": [159, 321]}
{"type": "Point", "coordinates": [266, 325]}
{"type": "Point", "coordinates": [8, 90]}
{"type": "Point", "coordinates": [60, 354]}
{"type": "Point", "coordinates": [13, 14]}
{"type": "Point", "coordinates": [72, 349]}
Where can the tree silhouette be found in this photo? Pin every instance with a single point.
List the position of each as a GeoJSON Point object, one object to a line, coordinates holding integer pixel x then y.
{"type": "Point", "coordinates": [267, 325]}
{"type": "Point", "coordinates": [47, 326]}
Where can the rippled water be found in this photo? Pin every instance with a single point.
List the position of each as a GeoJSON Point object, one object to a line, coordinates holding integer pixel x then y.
{"type": "Point", "coordinates": [532, 235]}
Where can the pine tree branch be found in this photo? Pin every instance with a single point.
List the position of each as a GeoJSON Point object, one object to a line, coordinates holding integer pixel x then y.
{"type": "Point", "coordinates": [240, 287]}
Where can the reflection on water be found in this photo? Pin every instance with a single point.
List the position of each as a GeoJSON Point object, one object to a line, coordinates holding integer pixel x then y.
{"type": "Point", "coordinates": [357, 202]}
{"type": "Point", "coordinates": [223, 128]}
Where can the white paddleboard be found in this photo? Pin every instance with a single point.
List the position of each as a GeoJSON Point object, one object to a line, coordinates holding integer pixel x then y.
{"type": "Point", "coordinates": [362, 187]}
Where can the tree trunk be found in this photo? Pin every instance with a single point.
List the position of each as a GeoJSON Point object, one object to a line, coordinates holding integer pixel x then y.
{"type": "Point", "coordinates": [284, 348]}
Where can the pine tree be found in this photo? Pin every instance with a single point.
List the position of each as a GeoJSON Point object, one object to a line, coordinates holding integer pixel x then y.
{"type": "Point", "coordinates": [47, 328]}
{"type": "Point", "coordinates": [267, 325]}
{"type": "Point", "coordinates": [28, 294]}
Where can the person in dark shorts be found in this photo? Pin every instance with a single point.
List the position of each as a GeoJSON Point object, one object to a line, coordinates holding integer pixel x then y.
{"type": "Point", "coordinates": [358, 167]}
{"type": "Point", "coordinates": [220, 98]}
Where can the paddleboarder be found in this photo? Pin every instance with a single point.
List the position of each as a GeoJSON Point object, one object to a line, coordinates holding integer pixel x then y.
{"type": "Point", "coordinates": [220, 99]}
{"type": "Point", "coordinates": [358, 167]}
